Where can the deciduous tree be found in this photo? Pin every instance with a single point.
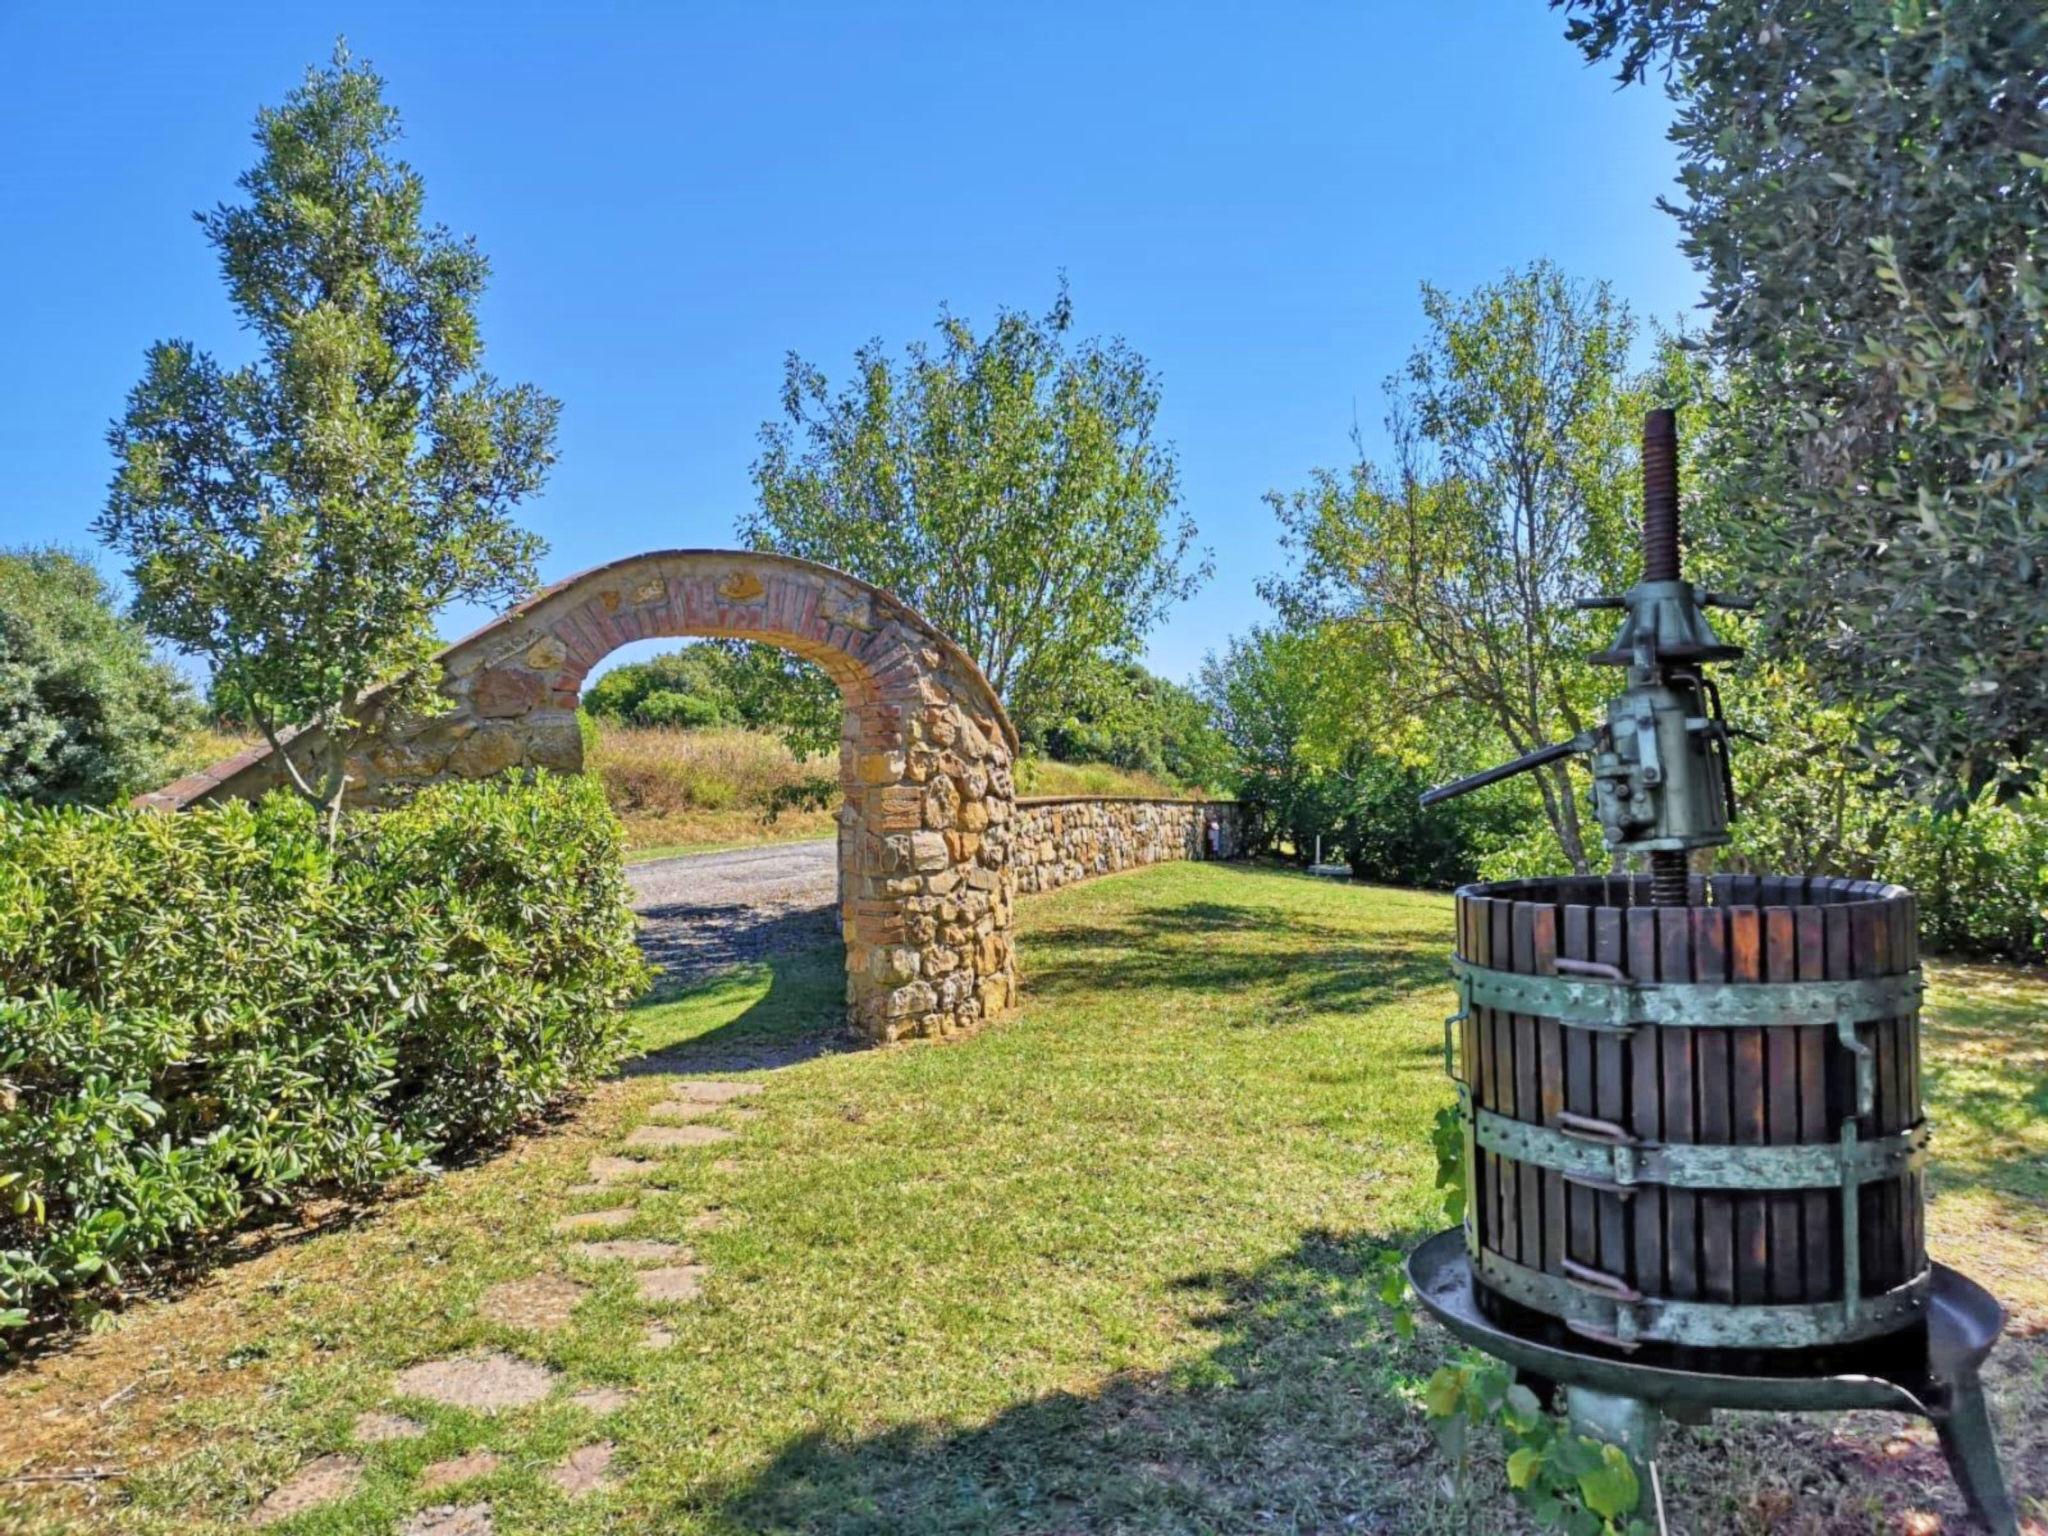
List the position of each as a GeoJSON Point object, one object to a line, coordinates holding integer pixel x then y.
{"type": "Point", "coordinates": [1010, 486]}
{"type": "Point", "coordinates": [1449, 573]}
{"type": "Point", "coordinates": [299, 520]}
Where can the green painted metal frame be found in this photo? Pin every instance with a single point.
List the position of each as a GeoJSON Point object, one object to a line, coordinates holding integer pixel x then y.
{"type": "Point", "coordinates": [1621, 1164]}
{"type": "Point", "coordinates": [1591, 1003]}
{"type": "Point", "coordinates": [1626, 1319]}
{"type": "Point", "coordinates": [1606, 1156]}
{"type": "Point", "coordinates": [1932, 1373]}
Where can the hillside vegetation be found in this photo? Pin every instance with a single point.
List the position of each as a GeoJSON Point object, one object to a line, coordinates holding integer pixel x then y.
{"type": "Point", "coordinates": [684, 790]}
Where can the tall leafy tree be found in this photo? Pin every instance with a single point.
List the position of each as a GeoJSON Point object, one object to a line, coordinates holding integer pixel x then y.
{"type": "Point", "coordinates": [298, 521]}
{"type": "Point", "coordinates": [87, 713]}
{"type": "Point", "coordinates": [1866, 193]}
{"type": "Point", "coordinates": [1010, 486]}
{"type": "Point", "coordinates": [1447, 575]}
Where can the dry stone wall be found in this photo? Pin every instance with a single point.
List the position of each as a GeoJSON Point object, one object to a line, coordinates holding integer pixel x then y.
{"type": "Point", "coordinates": [933, 843]}
{"type": "Point", "coordinates": [1062, 841]}
{"type": "Point", "coordinates": [926, 752]}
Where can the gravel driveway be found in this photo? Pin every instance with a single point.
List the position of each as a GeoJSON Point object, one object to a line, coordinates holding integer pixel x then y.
{"type": "Point", "coordinates": [706, 912]}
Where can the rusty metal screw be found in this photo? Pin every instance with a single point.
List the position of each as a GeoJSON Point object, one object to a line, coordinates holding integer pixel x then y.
{"type": "Point", "coordinates": [1661, 550]}
{"type": "Point", "coordinates": [1660, 496]}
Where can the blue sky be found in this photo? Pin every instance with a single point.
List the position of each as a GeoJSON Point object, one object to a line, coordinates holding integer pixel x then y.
{"type": "Point", "coordinates": [673, 197]}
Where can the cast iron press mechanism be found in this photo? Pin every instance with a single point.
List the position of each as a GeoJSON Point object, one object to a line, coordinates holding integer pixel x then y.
{"type": "Point", "coordinates": [1693, 1142]}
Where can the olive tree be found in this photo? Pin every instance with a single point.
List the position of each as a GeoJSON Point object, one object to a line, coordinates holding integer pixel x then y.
{"type": "Point", "coordinates": [299, 520]}
{"type": "Point", "coordinates": [1865, 190]}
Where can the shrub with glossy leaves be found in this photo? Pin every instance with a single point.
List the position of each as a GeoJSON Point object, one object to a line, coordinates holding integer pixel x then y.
{"type": "Point", "coordinates": [204, 1013]}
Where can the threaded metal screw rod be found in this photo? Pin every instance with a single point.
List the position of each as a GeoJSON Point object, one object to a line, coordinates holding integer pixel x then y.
{"type": "Point", "coordinates": [1660, 496]}
{"type": "Point", "coordinates": [1661, 551]}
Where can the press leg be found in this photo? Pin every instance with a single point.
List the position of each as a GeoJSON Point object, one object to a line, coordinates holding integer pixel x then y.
{"type": "Point", "coordinates": [1965, 1432]}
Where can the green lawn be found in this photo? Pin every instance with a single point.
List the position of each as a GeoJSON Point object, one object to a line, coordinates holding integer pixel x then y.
{"type": "Point", "coordinates": [1101, 1267]}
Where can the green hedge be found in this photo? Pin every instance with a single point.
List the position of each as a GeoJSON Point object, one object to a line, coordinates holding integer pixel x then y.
{"type": "Point", "coordinates": [207, 1012]}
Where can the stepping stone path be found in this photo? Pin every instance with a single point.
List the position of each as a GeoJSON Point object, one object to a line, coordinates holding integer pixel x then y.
{"type": "Point", "coordinates": [460, 1469]}
{"type": "Point", "coordinates": [673, 1277]}
{"type": "Point", "coordinates": [584, 1471]}
{"type": "Point", "coordinates": [375, 1428]}
{"type": "Point", "coordinates": [671, 1111]}
{"type": "Point", "coordinates": [493, 1382]}
{"type": "Point", "coordinates": [450, 1520]}
{"type": "Point", "coordinates": [703, 1091]}
{"type": "Point", "coordinates": [607, 1171]}
{"type": "Point", "coordinates": [666, 1138]}
{"type": "Point", "coordinates": [679, 1282]}
{"type": "Point", "coordinates": [630, 1250]}
{"type": "Point", "coordinates": [488, 1383]}
{"type": "Point", "coordinates": [601, 1402]}
{"type": "Point", "coordinates": [595, 1221]}
{"type": "Point", "coordinates": [321, 1481]}
{"type": "Point", "coordinates": [540, 1302]}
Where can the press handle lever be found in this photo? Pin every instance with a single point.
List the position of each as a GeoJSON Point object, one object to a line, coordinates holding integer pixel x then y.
{"type": "Point", "coordinates": [1522, 764]}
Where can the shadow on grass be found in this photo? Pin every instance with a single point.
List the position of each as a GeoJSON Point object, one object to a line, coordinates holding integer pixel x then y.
{"type": "Point", "coordinates": [692, 942]}
{"type": "Point", "coordinates": [1216, 948]}
{"type": "Point", "coordinates": [772, 1012]}
{"type": "Point", "coordinates": [1292, 1422]}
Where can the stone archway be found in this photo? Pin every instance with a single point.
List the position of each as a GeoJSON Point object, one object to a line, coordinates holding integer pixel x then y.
{"type": "Point", "coordinates": [926, 882]}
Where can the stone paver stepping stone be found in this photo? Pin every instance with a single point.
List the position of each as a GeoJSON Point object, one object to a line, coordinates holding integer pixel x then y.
{"type": "Point", "coordinates": [601, 1401]}
{"type": "Point", "coordinates": [668, 1137]}
{"type": "Point", "coordinates": [595, 1221]}
{"type": "Point", "coordinates": [726, 1165]}
{"type": "Point", "coordinates": [631, 1250]}
{"type": "Point", "coordinates": [460, 1469]}
{"type": "Point", "coordinates": [654, 1336]}
{"type": "Point", "coordinates": [672, 1112]}
{"type": "Point", "coordinates": [538, 1301]}
{"type": "Point", "coordinates": [584, 1470]}
{"type": "Point", "coordinates": [707, 1220]}
{"type": "Point", "coordinates": [450, 1520]}
{"type": "Point", "coordinates": [484, 1383]}
{"type": "Point", "coordinates": [374, 1428]}
{"type": "Point", "coordinates": [320, 1481]}
{"type": "Point", "coordinates": [609, 1170]}
{"type": "Point", "coordinates": [678, 1282]}
{"type": "Point", "coordinates": [709, 1091]}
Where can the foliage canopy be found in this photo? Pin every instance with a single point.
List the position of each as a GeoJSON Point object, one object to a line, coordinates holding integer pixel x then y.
{"type": "Point", "coordinates": [87, 713]}
{"type": "Point", "coordinates": [1450, 573]}
{"type": "Point", "coordinates": [204, 1013]}
{"type": "Point", "coordinates": [1009, 486]}
{"type": "Point", "coordinates": [298, 521]}
{"type": "Point", "coordinates": [1866, 193]}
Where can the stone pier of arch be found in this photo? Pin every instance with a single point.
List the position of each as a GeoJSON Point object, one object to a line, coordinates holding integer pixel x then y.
{"type": "Point", "coordinates": [928, 887]}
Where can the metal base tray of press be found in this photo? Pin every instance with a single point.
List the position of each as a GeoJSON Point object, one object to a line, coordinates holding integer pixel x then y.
{"type": "Point", "coordinates": [1929, 1369]}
